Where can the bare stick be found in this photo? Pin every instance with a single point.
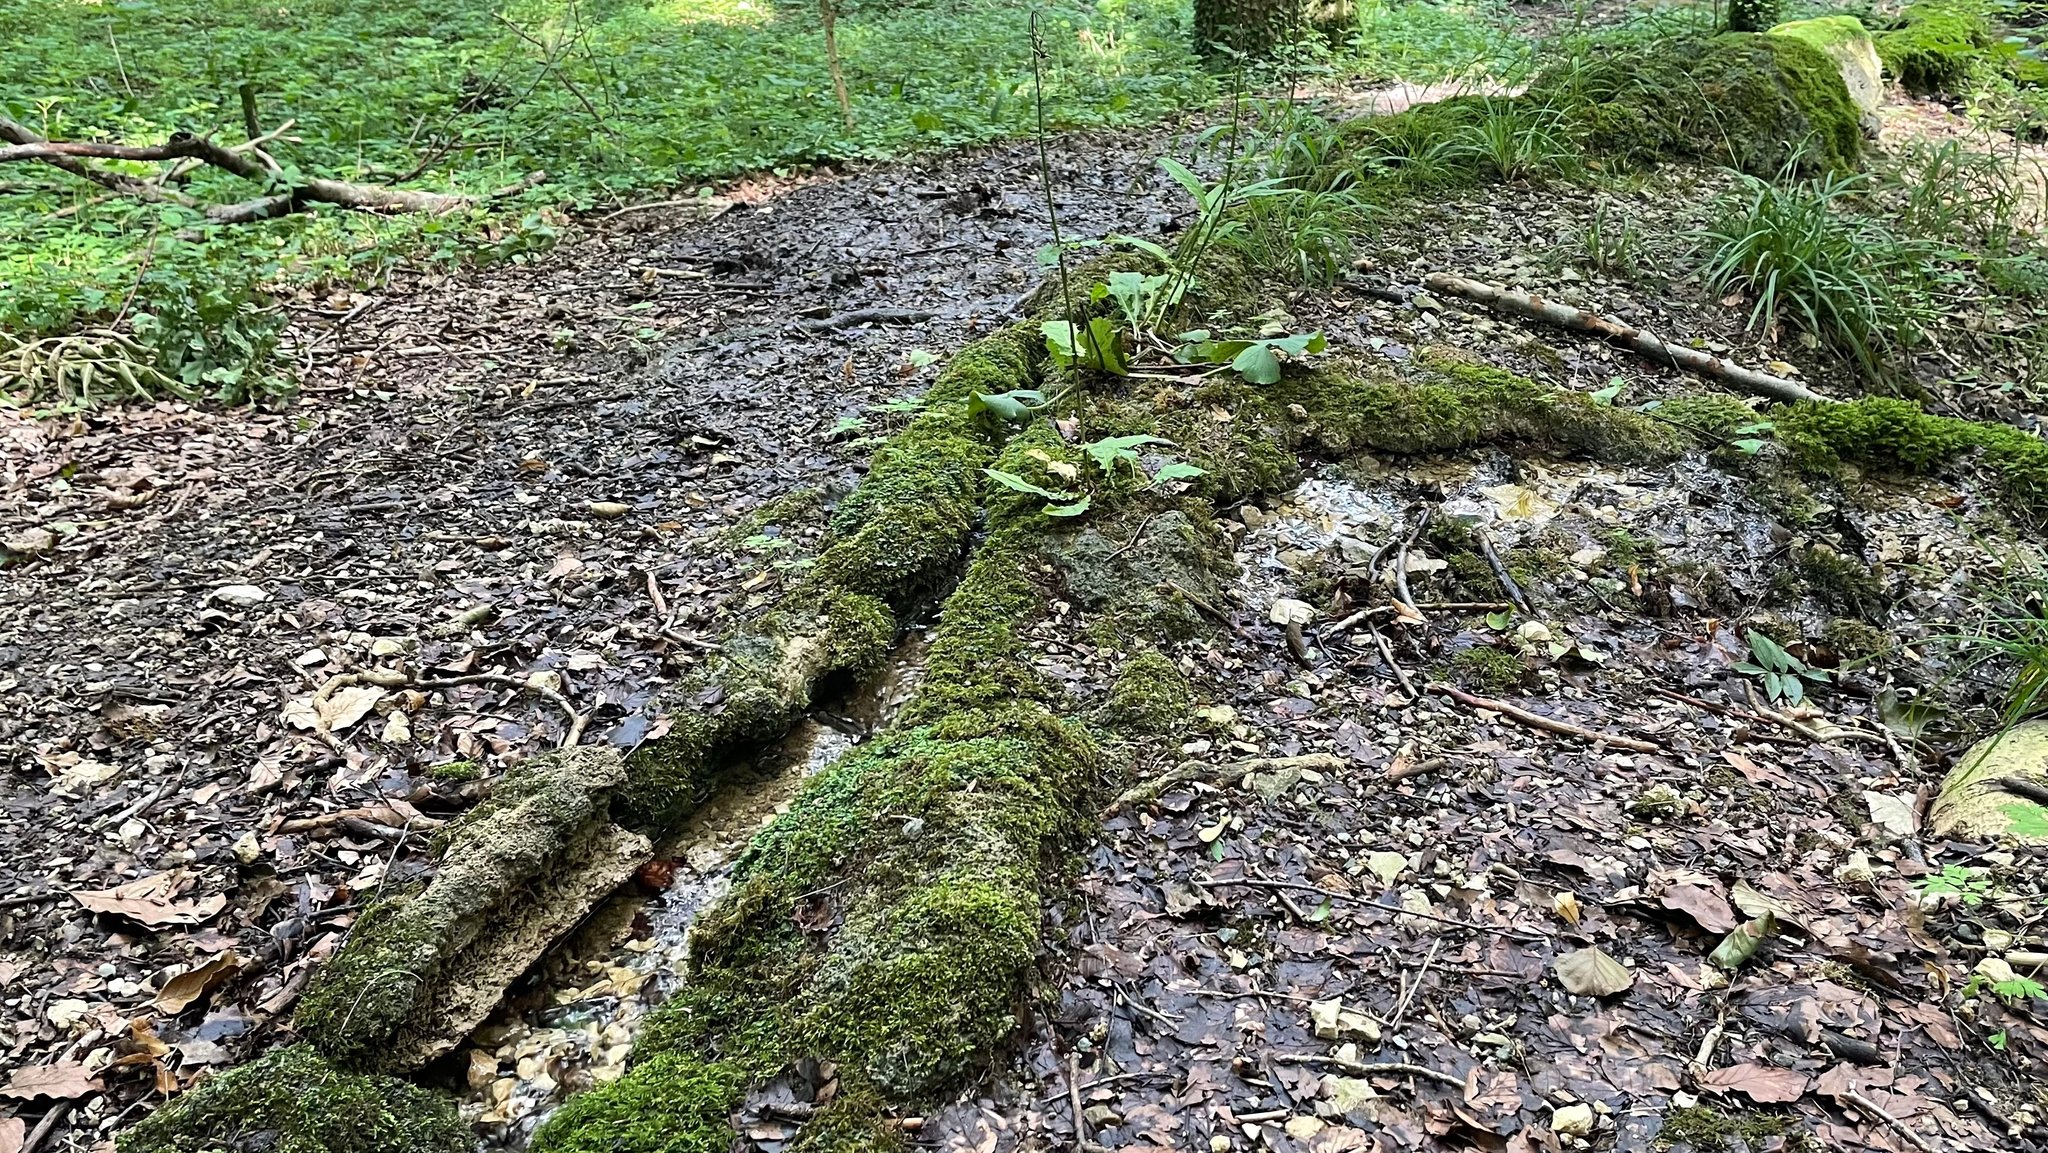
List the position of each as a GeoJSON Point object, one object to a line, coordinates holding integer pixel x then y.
{"type": "Point", "coordinates": [1644, 343]}
{"type": "Point", "coordinates": [1362, 1069]}
{"type": "Point", "coordinates": [1400, 674]}
{"type": "Point", "coordinates": [1871, 1109]}
{"type": "Point", "coordinates": [826, 13]}
{"type": "Point", "coordinates": [1189, 771]}
{"type": "Point", "coordinates": [1549, 724]}
{"type": "Point", "coordinates": [1500, 571]}
{"type": "Point", "coordinates": [1368, 902]}
{"type": "Point", "coordinates": [1401, 1009]}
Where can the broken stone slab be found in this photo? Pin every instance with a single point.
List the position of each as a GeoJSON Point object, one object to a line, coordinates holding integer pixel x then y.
{"type": "Point", "coordinates": [1970, 808]}
{"type": "Point", "coordinates": [1844, 41]}
{"type": "Point", "coordinates": [422, 969]}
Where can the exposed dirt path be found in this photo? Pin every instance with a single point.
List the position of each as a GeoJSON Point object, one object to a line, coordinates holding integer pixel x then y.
{"type": "Point", "coordinates": [550, 469]}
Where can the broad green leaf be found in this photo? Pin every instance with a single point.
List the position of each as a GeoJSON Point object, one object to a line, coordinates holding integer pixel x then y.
{"type": "Point", "coordinates": [1177, 470]}
{"type": "Point", "coordinates": [1107, 451]}
{"type": "Point", "coordinates": [1257, 364]}
{"type": "Point", "coordinates": [1769, 653]}
{"type": "Point", "coordinates": [1013, 406]}
{"type": "Point", "coordinates": [1183, 177]}
{"type": "Point", "coordinates": [1015, 483]}
{"type": "Point", "coordinates": [1074, 509]}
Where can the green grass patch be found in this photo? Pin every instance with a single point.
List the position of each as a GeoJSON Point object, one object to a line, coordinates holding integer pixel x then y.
{"type": "Point", "coordinates": [612, 99]}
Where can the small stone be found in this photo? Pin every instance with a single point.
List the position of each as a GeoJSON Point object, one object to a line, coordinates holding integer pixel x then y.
{"type": "Point", "coordinates": [1572, 1120]}
{"type": "Point", "coordinates": [608, 509]}
{"type": "Point", "coordinates": [387, 647]}
{"type": "Point", "coordinates": [239, 596]}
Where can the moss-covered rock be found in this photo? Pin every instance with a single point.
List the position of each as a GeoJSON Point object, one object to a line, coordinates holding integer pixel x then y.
{"type": "Point", "coordinates": [1757, 103]}
{"type": "Point", "coordinates": [293, 1100]}
{"type": "Point", "coordinates": [1936, 45]}
{"type": "Point", "coordinates": [422, 968]}
{"type": "Point", "coordinates": [1965, 808]}
{"type": "Point", "coordinates": [1844, 40]}
{"type": "Point", "coordinates": [1489, 668]}
{"type": "Point", "coordinates": [1150, 697]}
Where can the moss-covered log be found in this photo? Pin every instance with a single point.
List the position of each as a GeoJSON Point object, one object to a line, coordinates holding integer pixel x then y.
{"type": "Point", "coordinates": [1896, 435]}
{"type": "Point", "coordinates": [888, 922]}
{"type": "Point", "coordinates": [422, 969]}
{"type": "Point", "coordinates": [295, 1101]}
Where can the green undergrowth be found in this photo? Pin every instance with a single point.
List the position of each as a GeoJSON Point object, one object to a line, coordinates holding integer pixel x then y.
{"type": "Point", "coordinates": [894, 541]}
{"type": "Point", "coordinates": [1757, 103]}
{"type": "Point", "coordinates": [612, 98]}
{"type": "Point", "coordinates": [889, 921]}
{"type": "Point", "coordinates": [293, 1101]}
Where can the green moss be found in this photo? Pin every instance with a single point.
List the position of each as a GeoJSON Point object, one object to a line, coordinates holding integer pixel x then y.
{"type": "Point", "coordinates": [1885, 433]}
{"type": "Point", "coordinates": [1824, 32]}
{"type": "Point", "coordinates": [1150, 697]}
{"type": "Point", "coordinates": [1708, 1130]}
{"type": "Point", "coordinates": [1854, 640]}
{"type": "Point", "coordinates": [1487, 667]}
{"type": "Point", "coordinates": [456, 772]}
{"type": "Point", "coordinates": [1457, 404]}
{"type": "Point", "coordinates": [293, 1101]}
{"type": "Point", "coordinates": [1756, 103]}
{"type": "Point", "coordinates": [1625, 548]}
{"type": "Point", "coordinates": [1936, 45]}
{"type": "Point", "coordinates": [799, 506]}
{"type": "Point", "coordinates": [1843, 583]}
{"type": "Point", "coordinates": [671, 1104]}
{"type": "Point", "coordinates": [1711, 417]}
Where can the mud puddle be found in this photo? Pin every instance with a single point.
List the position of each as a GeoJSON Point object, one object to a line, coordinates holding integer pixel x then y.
{"type": "Point", "coordinates": [571, 1025]}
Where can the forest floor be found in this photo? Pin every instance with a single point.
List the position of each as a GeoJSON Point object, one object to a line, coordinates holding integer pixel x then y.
{"type": "Point", "coordinates": [553, 485]}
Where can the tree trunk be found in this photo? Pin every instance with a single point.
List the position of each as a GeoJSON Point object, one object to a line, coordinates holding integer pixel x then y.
{"type": "Point", "coordinates": [1252, 27]}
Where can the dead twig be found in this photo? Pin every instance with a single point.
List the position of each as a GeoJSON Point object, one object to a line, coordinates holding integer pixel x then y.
{"type": "Point", "coordinates": [1300, 886]}
{"type": "Point", "coordinates": [1190, 771]}
{"type": "Point", "coordinates": [1614, 332]}
{"type": "Point", "coordinates": [1401, 563]}
{"type": "Point", "coordinates": [1539, 721]}
{"type": "Point", "coordinates": [1408, 990]}
{"type": "Point", "coordinates": [1400, 674]}
{"type": "Point", "coordinates": [1371, 1069]}
{"type": "Point", "coordinates": [1212, 612]}
{"type": "Point", "coordinates": [1500, 571]}
{"type": "Point", "coordinates": [1878, 1114]}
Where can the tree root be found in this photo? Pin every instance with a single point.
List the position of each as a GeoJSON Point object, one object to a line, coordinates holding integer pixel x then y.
{"type": "Point", "coordinates": [1548, 724]}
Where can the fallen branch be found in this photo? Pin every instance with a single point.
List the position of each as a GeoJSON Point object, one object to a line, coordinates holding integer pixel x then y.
{"type": "Point", "coordinates": [1640, 341]}
{"type": "Point", "coordinates": [1507, 581]}
{"type": "Point", "coordinates": [246, 160]}
{"type": "Point", "coordinates": [1190, 771]}
{"type": "Point", "coordinates": [866, 316]}
{"type": "Point", "coordinates": [1876, 1113]}
{"type": "Point", "coordinates": [1539, 721]}
{"type": "Point", "coordinates": [1373, 1069]}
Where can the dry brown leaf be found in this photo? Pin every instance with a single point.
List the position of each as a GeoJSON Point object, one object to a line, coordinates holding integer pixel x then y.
{"type": "Point", "coordinates": [1707, 908]}
{"type": "Point", "coordinates": [62, 1082]}
{"type": "Point", "coordinates": [348, 705]}
{"type": "Point", "coordinates": [1589, 972]}
{"type": "Point", "coordinates": [1764, 1084]}
{"type": "Point", "coordinates": [13, 1134]}
{"type": "Point", "coordinates": [151, 900]}
{"type": "Point", "coordinates": [180, 991]}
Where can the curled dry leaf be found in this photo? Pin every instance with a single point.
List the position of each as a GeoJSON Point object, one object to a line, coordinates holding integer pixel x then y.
{"type": "Point", "coordinates": [349, 705]}
{"type": "Point", "coordinates": [1589, 972]}
{"type": "Point", "coordinates": [1705, 907]}
{"type": "Point", "coordinates": [152, 901]}
{"type": "Point", "coordinates": [66, 1081]}
{"type": "Point", "coordinates": [180, 991]}
{"type": "Point", "coordinates": [1566, 905]}
{"type": "Point", "coordinates": [1764, 1084]}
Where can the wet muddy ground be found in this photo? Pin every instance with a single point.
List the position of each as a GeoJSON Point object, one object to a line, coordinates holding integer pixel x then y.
{"type": "Point", "coordinates": [579, 468]}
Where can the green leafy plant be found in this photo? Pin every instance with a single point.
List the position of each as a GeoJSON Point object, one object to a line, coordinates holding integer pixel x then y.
{"type": "Point", "coordinates": [1516, 140]}
{"type": "Point", "coordinates": [1095, 344]}
{"type": "Point", "coordinates": [2008, 643]}
{"type": "Point", "coordinates": [2013, 990]}
{"type": "Point", "coordinates": [1258, 361]}
{"type": "Point", "coordinates": [1057, 503]}
{"type": "Point", "coordinates": [1012, 407]}
{"type": "Point", "coordinates": [1967, 883]}
{"type": "Point", "coordinates": [1784, 676]}
{"type": "Point", "coordinates": [1841, 276]}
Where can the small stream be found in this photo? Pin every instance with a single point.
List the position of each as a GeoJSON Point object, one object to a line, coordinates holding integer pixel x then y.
{"type": "Point", "coordinates": [570, 1024]}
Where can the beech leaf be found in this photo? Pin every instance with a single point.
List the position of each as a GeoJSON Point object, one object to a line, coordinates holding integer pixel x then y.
{"type": "Point", "coordinates": [1589, 972]}
{"type": "Point", "coordinates": [1763, 1084]}
{"type": "Point", "coordinates": [152, 901]}
{"type": "Point", "coordinates": [62, 1082]}
{"type": "Point", "coordinates": [180, 991]}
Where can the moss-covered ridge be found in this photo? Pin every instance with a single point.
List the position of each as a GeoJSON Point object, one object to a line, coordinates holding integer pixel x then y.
{"type": "Point", "coordinates": [898, 537]}
{"type": "Point", "coordinates": [889, 921]}
{"type": "Point", "coordinates": [1937, 45]}
{"type": "Point", "coordinates": [1897, 435]}
{"type": "Point", "coordinates": [1755, 102]}
{"type": "Point", "coordinates": [293, 1100]}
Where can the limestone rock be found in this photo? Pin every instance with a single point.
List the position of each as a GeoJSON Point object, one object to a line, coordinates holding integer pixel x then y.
{"type": "Point", "coordinates": [1967, 810]}
{"type": "Point", "coordinates": [1845, 42]}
